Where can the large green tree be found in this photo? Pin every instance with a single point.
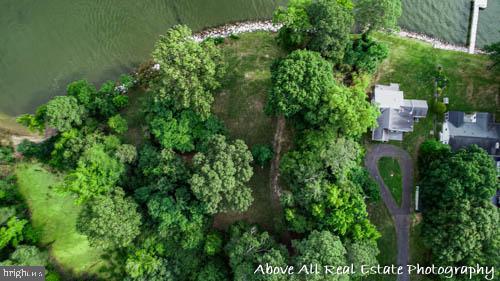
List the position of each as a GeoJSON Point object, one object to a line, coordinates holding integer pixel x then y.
{"type": "Point", "coordinates": [110, 221]}
{"type": "Point", "coordinates": [295, 21]}
{"type": "Point", "coordinates": [323, 249]}
{"type": "Point", "coordinates": [460, 223]}
{"type": "Point", "coordinates": [331, 28]}
{"type": "Point", "coordinates": [64, 112]}
{"type": "Point", "coordinates": [299, 82]}
{"type": "Point", "coordinates": [374, 15]}
{"type": "Point", "coordinates": [189, 71]}
{"type": "Point", "coordinates": [96, 174]}
{"type": "Point", "coordinates": [248, 248]}
{"type": "Point", "coordinates": [220, 176]}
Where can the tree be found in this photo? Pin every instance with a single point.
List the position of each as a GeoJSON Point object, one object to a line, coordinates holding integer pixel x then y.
{"type": "Point", "coordinates": [345, 110]}
{"type": "Point", "coordinates": [118, 124]}
{"type": "Point", "coordinates": [460, 223]}
{"type": "Point", "coordinates": [190, 71]}
{"type": "Point", "coordinates": [34, 122]}
{"type": "Point", "coordinates": [220, 175]}
{"type": "Point", "coordinates": [362, 253]}
{"type": "Point", "coordinates": [29, 256]}
{"type": "Point", "coordinates": [332, 23]}
{"type": "Point", "coordinates": [295, 21]}
{"type": "Point", "coordinates": [12, 232]}
{"type": "Point", "coordinates": [83, 91]}
{"type": "Point", "coordinates": [110, 221]}
{"type": "Point", "coordinates": [494, 54]}
{"type": "Point", "coordinates": [299, 81]}
{"type": "Point", "coordinates": [126, 153]}
{"type": "Point", "coordinates": [173, 133]}
{"type": "Point", "coordinates": [262, 154]}
{"type": "Point", "coordinates": [146, 262]}
{"type": "Point", "coordinates": [372, 15]}
{"type": "Point", "coordinates": [365, 54]}
{"type": "Point", "coordinates": [213, 243]}
{"type": "Point", "coordinates": [248, 248]}
{"type": "Point", "coordinates": [323, 249]}
{"type": "Point", "coordinates": [64, 112]}
{"type": "Point", "coordinates": [439, 108]}
{"type": "Point", "coordinates": [180, 221]}
{"type": "Point", "coordinates": [96, 174]}
{"type": "Point", "coordinates": [213, 271]}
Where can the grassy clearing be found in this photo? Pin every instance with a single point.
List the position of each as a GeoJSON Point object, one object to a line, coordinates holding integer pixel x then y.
{"type": "Point", "coordinates": [391, 174]}
{"type": "Point", "coordinates": [56, 215]}
{"type": "Point", "coordinates": [413, 64]}
{"type": "Point", "coordinates": [240, 105]}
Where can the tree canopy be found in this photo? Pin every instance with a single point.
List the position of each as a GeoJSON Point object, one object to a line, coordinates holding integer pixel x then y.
{"type": "Point", "coordinates": [96, 174]}
{"type": "Point", "coordinates": [374, 15]}
{"type": "Point", "coordinates": [299, 82]}
{"type": "Point", "coordinates": [110, 221]}
{"type": "Point", "coordinates": [189, 71]}
{"type": "Point", "coordinates": [331, 29]}
{"type": "Point", "coordinates": [460, 223]}
{"type": "Point", "coordinates": [220, 176]}
{"type": "Point", "coordinates": [64, 112]}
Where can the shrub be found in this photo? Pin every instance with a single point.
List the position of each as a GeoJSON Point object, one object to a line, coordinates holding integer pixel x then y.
{"type": "Point", "coordinates": [118, 124]}
{"type": "Point", "coordinates": [262, 154]}
{"type": "Point", "coordinates": [6, 155]}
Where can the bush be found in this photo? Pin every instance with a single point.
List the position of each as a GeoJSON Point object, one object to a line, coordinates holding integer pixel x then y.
{"type": "Point", "coordinates": [118, 124]}
{"type": "Point", "coordinates": [41, 151]}
{"type": "Point", "coordinates": [360, 177]}
{"type": "Point", "coordinates": [365, 54]}
{"type": "Point", "coordinates": [262, 154]}
{"type": "Point", "coordinates": [439, 108]}
{"type": "Point", "coordinates": [234, 36]}
{"type": "Point", "coordinates": [6, 155]}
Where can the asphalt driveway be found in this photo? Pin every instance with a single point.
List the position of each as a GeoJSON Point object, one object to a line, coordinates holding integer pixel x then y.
{"type": "Point", "coordinates": [400, 214]}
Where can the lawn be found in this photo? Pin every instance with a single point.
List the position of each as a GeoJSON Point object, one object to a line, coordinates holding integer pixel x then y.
{"type": "Point", "coordinates": [240, 105]}
{"type": "Point", "coordinates": [413, 64]}
{"type": "Point", "coordinates": [390, 171]}
{"type": "Point", "coordinates": [387, 244]}
{"type": "Point", "coordinates": [55, 214]}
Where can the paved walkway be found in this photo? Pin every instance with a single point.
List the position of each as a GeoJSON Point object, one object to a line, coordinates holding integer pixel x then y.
{"type": "Point", "coordinates": [400, 214]}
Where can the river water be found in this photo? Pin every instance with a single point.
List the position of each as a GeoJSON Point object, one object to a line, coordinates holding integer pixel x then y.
{"type": "Point", "coordinates": [44, 44]}
{"type": "Point", "coordinates": [449, 20]}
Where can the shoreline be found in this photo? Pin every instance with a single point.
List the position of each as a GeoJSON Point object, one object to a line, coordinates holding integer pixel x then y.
{"type": "Point", "coordinates": [227, 30]}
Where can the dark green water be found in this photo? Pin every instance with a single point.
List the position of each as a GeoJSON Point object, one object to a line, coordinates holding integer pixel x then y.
{"type": "Point", "coordinates": [44, 44]}
{"type": "Point", "coordinates": [449, 20]}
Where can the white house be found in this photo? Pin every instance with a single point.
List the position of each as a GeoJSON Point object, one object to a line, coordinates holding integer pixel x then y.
{"type": "Point", "coordinates": [398, 115]}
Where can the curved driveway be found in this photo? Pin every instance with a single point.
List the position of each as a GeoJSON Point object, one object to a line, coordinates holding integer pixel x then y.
{"type": "Point", "coordinates": [400, 214]}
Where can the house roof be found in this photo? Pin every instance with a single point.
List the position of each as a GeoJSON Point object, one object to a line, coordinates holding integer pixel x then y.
{"type": "Point", "coordinates": [478, 128]}
{"type": "Point", "coordinates": [397, 114]}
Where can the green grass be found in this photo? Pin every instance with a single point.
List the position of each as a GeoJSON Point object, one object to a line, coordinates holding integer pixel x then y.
{"type": "Point", "coordinates": [55, 214]}
{"type": "Point", "coordinates": [387, 243]}
{"type": "Point", "coordinates": [240, 105]}
{"type": "Point", "coordinates": [390, 171]}
{"type": "Point", "coordinates": [413, 64]}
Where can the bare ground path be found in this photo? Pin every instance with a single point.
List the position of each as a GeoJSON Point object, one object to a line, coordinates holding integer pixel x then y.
{"type": "Point", "coordinates": [275, 174]}
{"type": "Point", "coordinates": [400, 215]}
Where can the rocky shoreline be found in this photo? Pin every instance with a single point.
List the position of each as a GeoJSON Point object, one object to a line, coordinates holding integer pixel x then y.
{"type": "Point", "coordinates": [251, 26]}
{"type": "Point", "coordinates": [236, 28]}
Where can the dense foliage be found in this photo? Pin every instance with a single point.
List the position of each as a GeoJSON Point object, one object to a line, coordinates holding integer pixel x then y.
{"type": "Point", "coordinates": [378, 14]}
{"type": "Point", "coordinates": [221, 174]}
{"type": "Point", "coordinates": [460, 223]}
{"type": "Point", "coordinates": [188, 72]}
{"type": "Point", "coordinates": [150, 200]}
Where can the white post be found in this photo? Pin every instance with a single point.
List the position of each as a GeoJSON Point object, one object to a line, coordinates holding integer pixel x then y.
{"type": "Point", "coordinates": [475, 18]}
